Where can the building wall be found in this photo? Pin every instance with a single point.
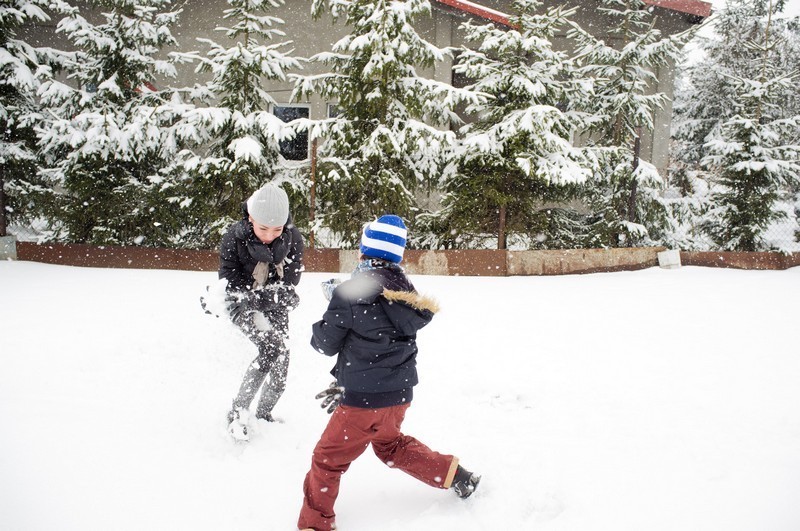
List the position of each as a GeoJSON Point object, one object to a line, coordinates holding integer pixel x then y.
{"type": "Point", "coordinates": [655, 143]}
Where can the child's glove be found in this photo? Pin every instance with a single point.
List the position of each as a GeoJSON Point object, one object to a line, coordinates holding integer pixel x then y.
{"type": "Point", "coordinates": [331, 397]}
{"type": "Point", "coordinates": [328, 286]}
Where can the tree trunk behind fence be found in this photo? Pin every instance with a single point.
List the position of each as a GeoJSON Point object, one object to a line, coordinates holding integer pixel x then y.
{"type": "Point", "coordinates": [501, 231]}
{"type": "Point", "coordinates": [2, 207]}
{"type": "Point", "coordinates": [313, 198]}
{"type": "Point", "coordinates": [637, 148]}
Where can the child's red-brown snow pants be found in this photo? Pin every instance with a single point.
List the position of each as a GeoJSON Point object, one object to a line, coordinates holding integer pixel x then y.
{"type": "Point", "coordinates": [349, 432]}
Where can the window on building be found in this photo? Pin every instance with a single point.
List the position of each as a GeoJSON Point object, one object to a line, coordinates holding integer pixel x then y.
{"type": "Point", "coordinates": [296, 148]}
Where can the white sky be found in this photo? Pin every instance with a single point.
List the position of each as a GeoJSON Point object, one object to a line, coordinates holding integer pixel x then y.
{"type": "Point", "coordinates": [792, 8]}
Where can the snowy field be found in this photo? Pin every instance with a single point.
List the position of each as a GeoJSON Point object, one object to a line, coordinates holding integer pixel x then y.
{"type": "Point", "coordinates": [653, 400]}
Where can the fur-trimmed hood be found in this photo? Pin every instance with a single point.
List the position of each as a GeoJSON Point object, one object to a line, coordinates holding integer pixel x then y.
{"type": "Point", "coordinates": [408, 310]}
{"type": "Point", "coordinates": [412, 298]}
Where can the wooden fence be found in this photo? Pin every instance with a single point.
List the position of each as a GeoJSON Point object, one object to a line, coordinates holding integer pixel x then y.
{"type": "Point", "coordinates": [463, 262]}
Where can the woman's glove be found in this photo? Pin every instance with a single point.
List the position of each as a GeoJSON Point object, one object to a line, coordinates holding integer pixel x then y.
{"type": "Point", "coordinates": [330, 397]}
{"type": "Point", "coordinates": [280, 296]}
{"type": "Point", "coordinates": [288, 297]}
{"type": "Point", "coordinates": [239, 304]}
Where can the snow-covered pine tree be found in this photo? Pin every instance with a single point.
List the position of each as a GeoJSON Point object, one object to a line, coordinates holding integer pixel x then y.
{"type": "Point", "coordinates": [625, 198]}
{"type": "Point", "coordinates": [103, 137]}
{"type": "Point", "coordinates": [755, 154]}
{"type": "Point", "coordinates": [518, 154]}
{"type": "Point", "coordinates": [239, 136]}
{"type": "Point", "coordinates": [384, 142]}
{"type": "Point", "coordinates": [20, 64]}
{"type": "Point", "coordinates": [705, 96]}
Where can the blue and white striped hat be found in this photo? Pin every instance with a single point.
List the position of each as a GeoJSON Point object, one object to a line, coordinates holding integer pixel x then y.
{"type": "Point", "coordinates": [384, 238]}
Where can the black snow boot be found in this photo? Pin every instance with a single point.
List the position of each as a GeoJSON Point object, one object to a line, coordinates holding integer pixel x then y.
{"type": "Point", "coordinates": [465, 482]}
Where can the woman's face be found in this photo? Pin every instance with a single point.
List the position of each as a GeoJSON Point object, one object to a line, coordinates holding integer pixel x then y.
{"type": "Point", "coordinates": [266, 234]}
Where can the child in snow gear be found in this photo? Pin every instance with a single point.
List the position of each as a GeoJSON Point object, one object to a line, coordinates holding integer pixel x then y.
{"type": "Point", "coordinates": [371, 325]}
{"type": "Point", "coordinates": [261, 257]}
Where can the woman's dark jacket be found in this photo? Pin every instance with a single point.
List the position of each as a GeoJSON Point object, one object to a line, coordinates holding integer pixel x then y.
{"type": "Point", "coordinates": [240, 251]}
{"type": "Point", "coordinates": [372, 323]}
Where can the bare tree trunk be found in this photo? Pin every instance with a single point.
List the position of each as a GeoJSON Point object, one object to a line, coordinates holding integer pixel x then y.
{"type": "Point", "coordinates": [2, 207]}
{"type": "Point", "coordinates": [637, 148]}
{"type": "Point", "coordinates": [501, 232]}
{"type": "Point", "coordinates": [313, 199]}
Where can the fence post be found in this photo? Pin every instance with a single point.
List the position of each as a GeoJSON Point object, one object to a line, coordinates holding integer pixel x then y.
{"type": "Point", "coordinates": [8, 247]}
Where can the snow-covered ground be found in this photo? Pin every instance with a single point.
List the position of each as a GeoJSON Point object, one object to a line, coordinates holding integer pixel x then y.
{"type": "Point", "coordinates": [651, 400]}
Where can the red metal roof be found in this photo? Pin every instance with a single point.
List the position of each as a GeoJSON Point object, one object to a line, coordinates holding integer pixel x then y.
{"type": "Point", "coordinates": [691, 7]}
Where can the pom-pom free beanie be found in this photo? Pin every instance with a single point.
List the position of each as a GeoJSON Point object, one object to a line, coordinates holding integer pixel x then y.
{"type": "Point", "coordinates": [384, 238]}
{"type": "Point", "coordinates": [269, 206]}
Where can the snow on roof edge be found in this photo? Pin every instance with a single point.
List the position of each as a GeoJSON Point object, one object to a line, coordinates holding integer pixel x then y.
{"type": "Point", "coordinates": [479, 10]}
{"type": "Point", "coordinates": [690, 7]}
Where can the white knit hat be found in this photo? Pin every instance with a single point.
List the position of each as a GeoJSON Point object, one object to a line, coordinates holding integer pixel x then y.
{"type": "Point", "coordinates": [269, 206]}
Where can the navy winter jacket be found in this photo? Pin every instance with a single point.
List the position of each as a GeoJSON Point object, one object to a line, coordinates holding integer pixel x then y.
{"type": "Point", "coordinates": [240, 251]}
{"type": "Point", "coordinates": [372, 323]}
